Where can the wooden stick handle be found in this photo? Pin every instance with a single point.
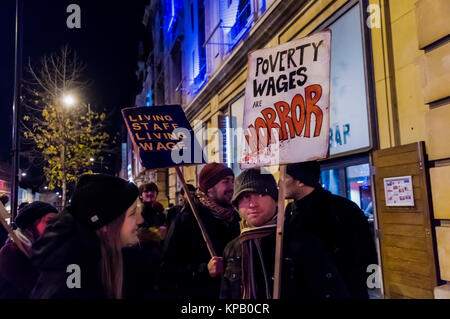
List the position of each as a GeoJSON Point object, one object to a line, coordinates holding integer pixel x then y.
{"type": "Point", "coordinates": [208, 242]}
{"type": "Point", "coordinates": [11, 232]}
{"type": "Point", "coordinates": [279, 235]}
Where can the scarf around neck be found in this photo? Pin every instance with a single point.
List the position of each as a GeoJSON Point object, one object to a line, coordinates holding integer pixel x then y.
{"type": "Point", "coordinates": [217, 210]}
{"type": "Point", "coordinates": [250, 240]}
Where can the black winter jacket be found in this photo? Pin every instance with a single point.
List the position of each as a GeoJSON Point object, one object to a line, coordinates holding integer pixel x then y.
{"type": "Point", "coordinates": [231, 286]}
{"type": "Point", "coordinates": [17, 275]}
{"type": "Point", "coordinates": [340, 247]}
{"type": "Point", "coordinates": [66, 242]}
{"type": "Point", "coordinates": [184, 268]}
{"type": "Point", "coordinates": [308, 272]}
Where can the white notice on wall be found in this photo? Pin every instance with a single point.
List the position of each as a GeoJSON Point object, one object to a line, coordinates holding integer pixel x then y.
{"type": "Point", "coordinates": [398, 191]}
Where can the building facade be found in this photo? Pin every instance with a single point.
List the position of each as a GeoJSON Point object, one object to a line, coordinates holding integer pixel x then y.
{"type": "Point", "coordinates": [389, 108]}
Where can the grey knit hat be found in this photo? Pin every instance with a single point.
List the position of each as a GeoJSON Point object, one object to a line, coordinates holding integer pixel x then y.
{"type": "Point", "coordinates": [253, 181]}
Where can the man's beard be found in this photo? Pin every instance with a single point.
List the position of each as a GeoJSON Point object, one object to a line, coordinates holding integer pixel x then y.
{"type": "Point", "coordinates": [223, 201]}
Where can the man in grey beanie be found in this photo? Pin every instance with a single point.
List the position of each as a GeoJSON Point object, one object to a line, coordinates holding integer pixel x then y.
{"type": "Point", "coordinates": [248, 260]}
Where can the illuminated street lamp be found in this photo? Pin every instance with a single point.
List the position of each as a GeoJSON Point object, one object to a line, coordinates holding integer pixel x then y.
{"type": "Point", "coordinates": [24, 174]}
{"type": "Point", "coordinates": [68, 100]}
{"type": "Point", "coordinates": [91, 159]}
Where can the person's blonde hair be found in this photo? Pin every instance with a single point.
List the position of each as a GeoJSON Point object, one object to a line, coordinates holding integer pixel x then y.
{"type": "Point", "coordinates": [111, 263]}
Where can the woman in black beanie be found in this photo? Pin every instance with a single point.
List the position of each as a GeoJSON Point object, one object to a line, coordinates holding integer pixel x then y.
{"type": "Point", "coordinates": [80, 253]}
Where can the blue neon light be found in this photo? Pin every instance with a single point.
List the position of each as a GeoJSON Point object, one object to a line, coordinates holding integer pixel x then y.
{"type": "Point", "coordinates": [172, 17]}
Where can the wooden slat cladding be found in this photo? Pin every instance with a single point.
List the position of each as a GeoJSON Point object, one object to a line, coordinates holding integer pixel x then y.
{"type": "Point", "coordinates": [406, 267]}
{"type": "Point", "coordinates": [407, 254]}
{"type": "Point", "coordinates": [399, 159]}
{"type": "Point", "coordinates": [404, 230]}
{"type": "Point", "coordinates": [414, 255]}
{"type": "Point", "coordinates": [404, 218]}
{"type": "Point", "coordinates": [411, 292]}
{"type": "Point", "coordinates": [409, 279]}
{"type": "Point", "coordinates": [405, 242]}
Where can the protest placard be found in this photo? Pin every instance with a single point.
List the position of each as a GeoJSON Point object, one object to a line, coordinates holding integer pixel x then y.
{"type": "Point", "coordinates": [287, 102]}
{"type": "Point", "coordinates": [163, 136]}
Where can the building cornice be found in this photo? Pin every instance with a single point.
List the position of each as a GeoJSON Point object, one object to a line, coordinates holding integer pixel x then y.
{"type": "Point", "coordinates": [265, 29]}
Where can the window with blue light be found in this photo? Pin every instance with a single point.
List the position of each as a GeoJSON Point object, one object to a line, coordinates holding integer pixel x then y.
{"type": "Point", "coordinates": [242, 17]}
{"type": "Point", "coordinates": [148, 98]}
{"type": "Point", "coordinates": [199, 52]}
{"type": "Point", "coordinates": [236, 20]}
{"type": "Point", "coordinates": [192, 16]}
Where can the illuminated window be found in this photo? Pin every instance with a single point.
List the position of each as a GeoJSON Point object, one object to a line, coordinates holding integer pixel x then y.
{"type": "Point", "coordinates": [148, 98]}
{"type": "Point", "coordinates": [349, 129]}
{"type": "Point", "coordinates": [242, 19]}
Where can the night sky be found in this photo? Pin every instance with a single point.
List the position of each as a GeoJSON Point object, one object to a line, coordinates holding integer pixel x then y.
{"type": "Point", "coordinates": [107, 42]}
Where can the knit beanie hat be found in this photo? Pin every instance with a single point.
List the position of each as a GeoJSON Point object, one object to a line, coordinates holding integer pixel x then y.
{"type": "Point", "coordinates": [98, 199]}
{"type": "Point", "coordinates": [211, 174]}
{"type": "Point", "coordinates": [307, 172]}
{"type": "Point", "coordinates": [32, 212]}
{"type": "Point", "coordinates": [253, 181]}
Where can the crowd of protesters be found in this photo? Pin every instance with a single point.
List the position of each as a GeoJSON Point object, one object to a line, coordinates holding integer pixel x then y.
{"type": "Point", "coordinates": [115, 240]}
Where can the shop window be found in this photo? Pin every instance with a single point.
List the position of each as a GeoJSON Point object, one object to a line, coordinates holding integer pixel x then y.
{"type": "Point", "coordinates": [352, 182]}
{"type": "Point", "coordinates": [359, 188]}
{"type": "Point", "coordinates": [349, 122]}
{"type": "Point", "coordinates": [334, 181]}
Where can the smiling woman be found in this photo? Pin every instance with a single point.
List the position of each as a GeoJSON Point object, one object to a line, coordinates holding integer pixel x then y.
{"type": "Point", "coordinates": [90, 234]}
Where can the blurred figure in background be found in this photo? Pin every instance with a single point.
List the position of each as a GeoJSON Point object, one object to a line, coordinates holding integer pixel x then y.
{"type": "Point", "coordinates": [3, 233]}
{"type": "Point", "coordinates": [17, 275]}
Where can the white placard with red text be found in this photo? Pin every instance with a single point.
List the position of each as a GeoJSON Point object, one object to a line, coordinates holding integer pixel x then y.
{"type": "Point", "coordinates": [287, 102]}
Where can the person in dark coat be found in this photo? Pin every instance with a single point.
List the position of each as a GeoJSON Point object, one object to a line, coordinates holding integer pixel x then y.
{"type": "Point", "coordinates": [152, 210]}
{"type": "Point", "coordinates": [17, 275]}
{"type": "Point", "coordinates": [3, 233]}
{"type": "Point", "coordinates": [80, 253]}
{"type": "Point", "coordinates": [249, 259]}
{"type": "Point", "coordinates": [187, 268]}
{"type": "Point", "coordinates": [335, 225]}
{"type": "Point", "coordinates": [173, 211]}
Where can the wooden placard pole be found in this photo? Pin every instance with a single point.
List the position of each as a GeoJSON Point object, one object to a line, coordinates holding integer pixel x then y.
{"type": "Point", "coordinates": [11, 233]}
{"type": "Point", "coordinates": [279, 235]}
{"type": "Point", "coordinates": [194, 211]}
